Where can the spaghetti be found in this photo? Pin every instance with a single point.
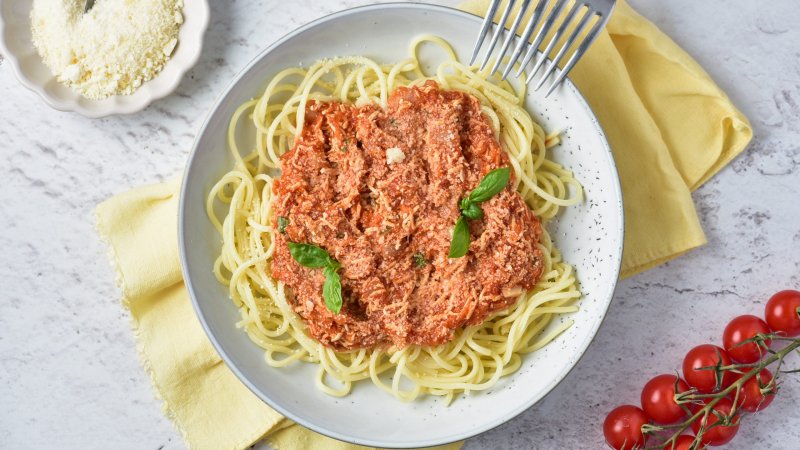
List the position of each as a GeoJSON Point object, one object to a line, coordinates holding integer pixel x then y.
{"type": "Point", "coordinates": [478, 355]}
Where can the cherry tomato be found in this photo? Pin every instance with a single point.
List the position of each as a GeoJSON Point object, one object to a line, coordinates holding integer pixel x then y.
{"type": "Point", "coordinates": [658, 399]}
{"type": "Point", "coordinates": [741, 329]}
{"type": "Point", "coordinates": [750, 395]}
{"type": "Point", "coordinates": [623, 427]}
{"type": "Point", "coordinates": [783, 313]}
{"type": "Point", "coordinates": [720, 434]}
{"type": "Point", "coordinates": [684, 442]}
{"type": "Point", "coordinates": [705, 380]}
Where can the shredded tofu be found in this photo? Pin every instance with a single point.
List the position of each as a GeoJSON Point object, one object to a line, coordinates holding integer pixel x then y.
{"type": "Point", "coordinates": [110, 50]}
{"type": "Point", "coordinates": [394, 155]}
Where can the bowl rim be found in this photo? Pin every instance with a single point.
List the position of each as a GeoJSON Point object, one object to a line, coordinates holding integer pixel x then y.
{"type": "Point", "coordinates": [343, 436]}
{"type": "Point", "coordinates": [167, 86]}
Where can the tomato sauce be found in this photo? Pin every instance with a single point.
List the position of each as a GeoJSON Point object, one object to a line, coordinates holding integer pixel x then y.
{"type": "Point", "coordinates": [379, 190]}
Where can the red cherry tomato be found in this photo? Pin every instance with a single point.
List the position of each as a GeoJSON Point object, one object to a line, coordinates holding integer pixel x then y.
{"type": "Point", "coordinates": [741, 329]}
{"type": "Point", "coordinates": [719, 434]}
{"type": "Point", "coordinates": [623, 427]}
{"type": "Point", "coordinates": [783, 313]}
{"type": "Point", "coordinates": [705, 380]}
{"type": "Point", "coordinates": [658, 399]}
{"type": "Point", "coordinates": [750, 394]}
{"type": "Point", "coordinates": [684, 442]}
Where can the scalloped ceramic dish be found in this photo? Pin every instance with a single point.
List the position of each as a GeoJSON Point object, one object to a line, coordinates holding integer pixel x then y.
{"type": "Point", "coordinates": [17, 47]}
{"type": "Point", "coordinates": [589, 236]}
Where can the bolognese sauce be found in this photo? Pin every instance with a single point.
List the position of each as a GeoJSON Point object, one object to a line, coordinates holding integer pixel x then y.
{"type": "Point", "coordinates": [379, 189]}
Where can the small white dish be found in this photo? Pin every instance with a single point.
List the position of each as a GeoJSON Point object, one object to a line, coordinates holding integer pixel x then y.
{"type": "Point", "coordinates": [17, 47]}
{"type": "Point", "coordinates": [589, 236]}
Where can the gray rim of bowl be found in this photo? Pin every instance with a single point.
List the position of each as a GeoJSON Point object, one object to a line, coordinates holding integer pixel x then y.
{"type": "Point", "coordinates": [223, 354]}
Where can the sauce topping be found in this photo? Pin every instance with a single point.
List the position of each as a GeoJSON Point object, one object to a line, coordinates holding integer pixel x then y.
{"type": "Point", "coordinates": [379, 191]}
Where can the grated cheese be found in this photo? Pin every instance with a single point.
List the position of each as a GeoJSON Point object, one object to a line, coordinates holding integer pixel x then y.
{"type": "Point", "coordinates": [394, 155]}
{"type": "Point", "coordinates": [110, 50]}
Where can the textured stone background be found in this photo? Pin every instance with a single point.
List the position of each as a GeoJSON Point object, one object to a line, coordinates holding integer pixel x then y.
{"type": "Point", "coordinates": [68, 370]}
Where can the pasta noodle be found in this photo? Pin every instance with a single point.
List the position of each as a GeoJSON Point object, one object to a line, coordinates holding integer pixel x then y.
{"type": "Point", "coordinates": [478, 356]}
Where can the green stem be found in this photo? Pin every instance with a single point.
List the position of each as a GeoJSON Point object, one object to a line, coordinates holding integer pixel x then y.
{"type": "Point", "coordinates": [681, 427]}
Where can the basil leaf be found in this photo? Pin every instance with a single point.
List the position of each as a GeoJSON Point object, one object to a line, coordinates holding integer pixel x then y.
{"type": "Point", "coordinates": [491, 185]}
{"type": "Point", "coordinates": [332, 290]}
{"type": "Point", "coordinates": [308, 255]}
{"type": "Point", "coordinates": [473, 212]}
{"type": "Point", "coordinates": [333, 264]}
{"type": "Point", "coordinates": [283, 222]}
{"type": "Point", "coordinates": [464, 204]}
{"type": "Point", "coordinates": [313, 257]}
{"type": "Point", "coordinates": [460, 243]}
{"type": "Point", "coordinates": [419, 260]}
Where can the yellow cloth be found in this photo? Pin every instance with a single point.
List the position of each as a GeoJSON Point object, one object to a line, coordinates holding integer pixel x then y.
{"type": "Point", "coordinates": [669, 125]}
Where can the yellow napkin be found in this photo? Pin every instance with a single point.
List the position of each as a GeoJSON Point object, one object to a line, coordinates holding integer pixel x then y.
{"type": "Point", "coordinates": [670, 128]}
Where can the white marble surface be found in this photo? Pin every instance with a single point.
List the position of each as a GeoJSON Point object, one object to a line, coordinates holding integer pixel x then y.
{"type": "Point", "coordinates": [68, 371]}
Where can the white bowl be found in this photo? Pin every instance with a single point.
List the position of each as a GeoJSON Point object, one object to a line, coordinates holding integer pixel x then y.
{"type": "Point", "coordinates": [589, 235]}
{"type": "Point", "coordinates": [17, 47]}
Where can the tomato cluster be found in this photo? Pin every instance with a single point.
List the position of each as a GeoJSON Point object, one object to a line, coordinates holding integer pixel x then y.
{"type": "Point", "coordinates": [707, 371]}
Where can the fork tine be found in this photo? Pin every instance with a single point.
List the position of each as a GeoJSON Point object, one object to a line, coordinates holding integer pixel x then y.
{"type": "Point", "coordinates": [500, 29]}
{"type": "Point", "coordinates": [555, 38]}
{"type": "Point", "coordinates": [532, 24]}
{"type": "Point", "coordinates": [558, 8]}
{"type": "Point", "coordinates": [487, 22]}
{"type": "Point", "coordinates": [570, 40]}
{"type": "Point", "coordinates": [510, 36]}
{"type": "Point", "coordinates": [582, 47]}
{"type": "Point", "coordinates": [523, 41]}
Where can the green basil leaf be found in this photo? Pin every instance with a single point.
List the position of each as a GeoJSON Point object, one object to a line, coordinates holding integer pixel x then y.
{"type": "Point", "coordinates": [464, 204]}
{"type": "Point", "coordinates": [460, 243]}
{"type": "Point", "coordinates": [419, 260]}
{"type": "Point", "coordinates": [283, 222]}
{"type": "Point", "coordinates": [332, 290]}
{"type": "Point", "coordinates": [308, 255]}
{"type": "Point", "coordinates": [474, 212]}
{"type": "Point", "coordinates": [491, 185]}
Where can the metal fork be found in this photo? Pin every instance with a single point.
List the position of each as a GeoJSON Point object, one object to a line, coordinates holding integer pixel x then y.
{"type": "Point", "coordinates": [581, 10]}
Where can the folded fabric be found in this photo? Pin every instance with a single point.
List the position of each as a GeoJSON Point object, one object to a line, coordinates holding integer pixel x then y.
{"type": "Point", "coordinates": [670, 128]}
